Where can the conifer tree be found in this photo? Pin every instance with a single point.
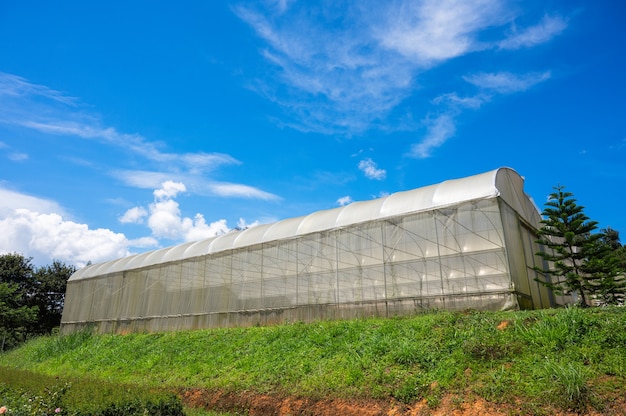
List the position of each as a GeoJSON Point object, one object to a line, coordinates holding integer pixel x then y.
{"type": "Point", "coordinates": [605, 279]}
{"type": "Point", "coordinates": [566, 235]}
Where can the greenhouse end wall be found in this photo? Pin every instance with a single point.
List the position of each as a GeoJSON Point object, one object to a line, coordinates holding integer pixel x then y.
{"type": "Point", "coordinates": [475, 254]}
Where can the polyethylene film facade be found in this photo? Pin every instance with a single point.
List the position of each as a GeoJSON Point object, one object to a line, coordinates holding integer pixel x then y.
{"type": "Point", "coordinates": [473, 254]}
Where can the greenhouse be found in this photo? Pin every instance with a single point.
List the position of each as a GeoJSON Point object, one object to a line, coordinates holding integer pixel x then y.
{"type": "Point", "coordinates": [458, 245]}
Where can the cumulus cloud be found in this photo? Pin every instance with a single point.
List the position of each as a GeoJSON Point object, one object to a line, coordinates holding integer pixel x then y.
{"type": "Point", "coordinates": [344, 200]}
{"type": "Point", "coordinates": [242, 224]}
{"type": "Point", "coordinates": [134, 215]}
{"type": "Point", "coordinates": [165, 220]}
{"type": "Point", "coordinates": [12, 200]}
{"type": "Point", "coordinates": [371, 170]}
{"type": "Point", "coordinates": [40, 228]}
{"type": "Point", "coordinates": [48, 236]}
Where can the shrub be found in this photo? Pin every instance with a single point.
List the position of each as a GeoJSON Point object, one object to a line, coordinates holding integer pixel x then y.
{"type": "Point", "coordinates": [28, 393]}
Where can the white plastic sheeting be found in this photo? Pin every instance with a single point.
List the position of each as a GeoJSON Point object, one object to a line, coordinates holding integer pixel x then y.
{"type": "Point", "coordinates": [464, 243]}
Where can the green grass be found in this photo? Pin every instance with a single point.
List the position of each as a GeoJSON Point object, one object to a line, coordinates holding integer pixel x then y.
{"type": "Point", "coordinates": [569, 358]}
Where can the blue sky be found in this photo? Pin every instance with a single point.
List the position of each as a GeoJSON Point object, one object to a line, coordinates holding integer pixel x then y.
{"type": "Point", "coordinates": [128, 126]}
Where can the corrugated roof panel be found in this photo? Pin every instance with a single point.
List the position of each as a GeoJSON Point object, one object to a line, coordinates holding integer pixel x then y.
{"type": "Point", "coordinates": [154, 257]}
{"type": "Point", "coordinates": [360, 211]}
{"type": "Point", "coordinates": [223, 242]}
{"type": "Point", "coordinates": [282, 229]}
{"type": "Point", "coordinates": [199, 248]}
{"type": "Point", "coordinates": [408, 201]}
{"type": "Point", "coordinates": [121, 264]}
{"type": "Point", "coordinates": [138, 260]}
{"type": "Point", "coordinates": [318, 221]}
{"type": "Point", "coordinates": [465, 189]}
{"type": "Point", "coordinates": [253, 235]}
{"type": "Point", "coordinates": [176, 252]}
{"type": "Point", "coordinates": [82, 273]}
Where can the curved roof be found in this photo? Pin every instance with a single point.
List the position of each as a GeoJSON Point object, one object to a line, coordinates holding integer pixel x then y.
{"type": "Point", "coordinates": [502, 182]}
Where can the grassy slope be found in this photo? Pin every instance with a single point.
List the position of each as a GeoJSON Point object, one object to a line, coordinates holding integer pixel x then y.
{"type": "Point", "coordinates": [568, 357]}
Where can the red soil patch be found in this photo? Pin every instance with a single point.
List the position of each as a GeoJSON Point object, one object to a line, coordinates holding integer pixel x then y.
{"type": "Point", "coordinates": [271, 405]}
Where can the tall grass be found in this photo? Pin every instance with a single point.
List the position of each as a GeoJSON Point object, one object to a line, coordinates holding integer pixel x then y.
{"type": "Point", "coordinates": [530, 356]}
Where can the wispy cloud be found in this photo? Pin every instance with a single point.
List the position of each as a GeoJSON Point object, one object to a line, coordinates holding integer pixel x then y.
{"type": "Point", "coordinates": [138, 145]}
{"type": "Point", "coordinates": [197, 185]}
{"type": "Point", "coordinates": [549, 27]}
{"type": "Point", "coordinates": [442, 126]}
{"type": "Point", "coordinates": [371, 170]}
{"type": "Point", "coordinates": [506, 82]}
{"type": "Point", "coordinates": [439, 130]}
{"type": "Point", "coordinates": [17, 87]}
{"type": "Point", "coordinates": [344, 68]}
{"type": "Point", "coordinates": [48, 111]}
{"type": "Point", "coordinates": [432, 31]}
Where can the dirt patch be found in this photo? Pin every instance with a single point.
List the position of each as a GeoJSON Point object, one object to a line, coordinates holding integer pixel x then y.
{"type": "Point", "coordinates": [451, 405]}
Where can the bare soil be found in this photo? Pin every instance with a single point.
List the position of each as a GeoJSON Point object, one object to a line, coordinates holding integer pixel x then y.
{"type": "Point", "coordinates": [262, 404]}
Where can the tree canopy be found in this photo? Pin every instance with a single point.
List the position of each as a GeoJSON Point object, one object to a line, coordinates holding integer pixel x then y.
{"type": "Point", "coordinates": [579, 262]}
{"type": "Point", "coordinates": [31, 299]}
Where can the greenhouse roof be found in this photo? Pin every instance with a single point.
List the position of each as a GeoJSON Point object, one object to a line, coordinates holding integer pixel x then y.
{"type": "Point", "coordinates": [503, 182]}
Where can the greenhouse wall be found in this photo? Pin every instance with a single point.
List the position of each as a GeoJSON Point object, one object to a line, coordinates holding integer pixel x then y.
{"type": "Point", "coordinates": [420, 250]}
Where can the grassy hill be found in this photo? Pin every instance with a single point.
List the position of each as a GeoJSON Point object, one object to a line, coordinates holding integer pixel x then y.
{"type": "Point", "coordinates": [525, 362]}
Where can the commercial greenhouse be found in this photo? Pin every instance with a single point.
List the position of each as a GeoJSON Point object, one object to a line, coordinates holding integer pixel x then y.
{"type": "Point", "coordinates": [462, 244]}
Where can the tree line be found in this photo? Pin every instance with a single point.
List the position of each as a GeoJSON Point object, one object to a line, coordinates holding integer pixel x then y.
{"type": "Point", "coordinates": [31, 298]}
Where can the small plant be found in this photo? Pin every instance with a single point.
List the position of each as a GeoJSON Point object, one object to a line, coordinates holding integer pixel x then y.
{"type": "Point", "coordinates": [570, 384]}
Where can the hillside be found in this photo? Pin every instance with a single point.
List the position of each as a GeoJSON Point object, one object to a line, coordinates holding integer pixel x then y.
{"type": "Point", "coordinates": [526, 362]}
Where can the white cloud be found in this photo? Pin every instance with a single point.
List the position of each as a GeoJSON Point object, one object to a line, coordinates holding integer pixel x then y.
{"type": "Point", "coordinates": [165, 219]}
{"type": "Point", "coordinates": [432, 31]}
{"type": "Point", "coordinates": [46, 237]}
{"type": "Point", "coordinates": [548, 28]}
{"type": "Point", "coordinates": [134, 215]}
{"type": "Point", "coordinates": [452, 100]}
{"type": "Point", "coordinates": [47, 111]}
{"type": "Point", "coordinates": [506, 82]}
{"type": "Point", "coordinates": [343, 68]}
{"type": "Point", "coordinates": [344, 200]}
{"type": "Point", "coordinates": [348, 77]}
{"type": "Point", "coordinates": [144, 242]}
{"type": "Point", "coordinates": [16, 86]}
{"type": "Point", "coordinates": [89, 129]}
{"type": "Point", "coordinates": [18, 156]}
{"type": "Point", "coordinates": [370, 169]}
{"type": "Point", "coordinates": [337, 80]}
{"type": "Point", "coordinates": [242, 224]}
{"type": "Point", "coordinates": [439, 130]}
{"type": "Point", "coordinates": [169, 189]}
{"type": "Point", "coordinates": [196, 184]}
{"type": "Point", "coordinates": [11, 200]}
{"type": "Point", "coordinates": [238, 190]}
{"type": "Point", "coordinates": [39, 228]}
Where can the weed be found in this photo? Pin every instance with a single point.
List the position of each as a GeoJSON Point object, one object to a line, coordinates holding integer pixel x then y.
{"type": "Point", "coordinates": [570, 384]}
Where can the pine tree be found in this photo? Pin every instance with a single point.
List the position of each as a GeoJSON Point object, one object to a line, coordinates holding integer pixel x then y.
{"type": "Point", "coordinates": [566, 233]}
{"type": "Point", "coordinates": [605, 279]}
